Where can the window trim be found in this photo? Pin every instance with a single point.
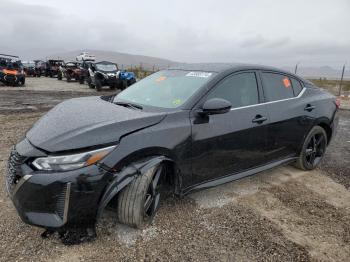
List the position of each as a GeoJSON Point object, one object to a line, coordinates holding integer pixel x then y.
{"type": "Point", "coordinates": [293, 78]}
{"type": "Point", "coordinates": [277, 73]}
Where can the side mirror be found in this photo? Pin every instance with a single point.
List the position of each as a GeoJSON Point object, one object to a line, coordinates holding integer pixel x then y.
{"type": "Point", "coordinates": [215, 106]}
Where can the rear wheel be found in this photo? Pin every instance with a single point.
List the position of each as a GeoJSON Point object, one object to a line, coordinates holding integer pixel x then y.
{"type": "Point", "coordinates": [81, 80]}
{"type": "Point", "coordinates": [68, 78]}
{"type": "Point", "coordinates": [98, 85]}
{"type": "Point", "coordinates": [139, 201]}
{"type": "Point", "coordinates": [313, 149]}
{"type": "Point", "coordinates": [124, 85]}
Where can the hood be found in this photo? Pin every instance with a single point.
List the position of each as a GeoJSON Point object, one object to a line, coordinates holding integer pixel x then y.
{"type": "Point", "coordinates": [84, 122]}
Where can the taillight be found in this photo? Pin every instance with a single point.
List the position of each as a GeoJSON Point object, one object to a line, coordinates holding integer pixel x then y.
{"type": "Point", "coordinates": [337, 102]}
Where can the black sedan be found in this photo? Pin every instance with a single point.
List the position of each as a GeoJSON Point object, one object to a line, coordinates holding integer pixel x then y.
{"type": "Point", "coordinates": [181, 129]}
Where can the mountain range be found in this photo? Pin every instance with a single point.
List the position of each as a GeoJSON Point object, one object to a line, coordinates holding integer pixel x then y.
{"type": "Point", "coordinates": [125, 60]}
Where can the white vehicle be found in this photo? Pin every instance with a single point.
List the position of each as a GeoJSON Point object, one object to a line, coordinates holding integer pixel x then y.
{"type": "Point", "coordinates": [85, 56]}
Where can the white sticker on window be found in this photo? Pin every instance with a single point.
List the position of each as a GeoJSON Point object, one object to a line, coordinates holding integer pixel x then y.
{"type": "Point", "coordinates": [199, 74]}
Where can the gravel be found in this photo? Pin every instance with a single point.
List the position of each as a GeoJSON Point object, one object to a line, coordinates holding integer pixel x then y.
{"type": "Point", "coordinates": [280, 215]}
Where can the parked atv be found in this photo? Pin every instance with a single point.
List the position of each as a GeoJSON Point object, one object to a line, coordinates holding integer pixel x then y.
{"type": "Point", "coordinates": [11, 71]}
{"type": "Point", "coordinates": [104, 74]}
{"type": "Point", "coordinates": [40, 67]}
{"type": "Point", "coordinates": [52, 67]}
{"type": "Point", "coordinates": [29, 68]}
{"type": "Point", "coordinates": [71, 70]}
{"type": "Point", "coordinates": [128, 78]}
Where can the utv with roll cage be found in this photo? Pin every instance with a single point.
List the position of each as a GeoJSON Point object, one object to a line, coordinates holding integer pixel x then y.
{"type": "Point", "coordinates": [71, 71]}
{"type": "Point", "coordinates": [104, 73]}
{"type": "Point", "coordinates": [52, 67]}
{"type": "Point", "coordinates": [11, 70]}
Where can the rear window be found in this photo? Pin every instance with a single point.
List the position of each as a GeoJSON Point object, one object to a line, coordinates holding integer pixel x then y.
{"type": "Point", "coordinates": [277, 86]}
{"type": "Point", "coordinates": [297, 87]}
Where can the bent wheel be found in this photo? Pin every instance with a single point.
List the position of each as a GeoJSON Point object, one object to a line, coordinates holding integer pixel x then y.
{"type": "Point", "coordinates": [313, 149]}
{"type": "Point", "coordinates": [139, 201]}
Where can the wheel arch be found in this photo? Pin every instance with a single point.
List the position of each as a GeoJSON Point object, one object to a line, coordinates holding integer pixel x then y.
{"type": "Point", "coordinates": [131, 169]}
{"type": "Point", "coordinates": [325, 123]}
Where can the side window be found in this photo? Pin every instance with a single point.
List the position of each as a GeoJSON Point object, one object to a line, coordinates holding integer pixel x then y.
{"type": "Point", "coordinates": [276, 86]}
{"type": "Point", "coordinates": [240, 90]}
{"type": "Point", "coordinates": [296, 86]}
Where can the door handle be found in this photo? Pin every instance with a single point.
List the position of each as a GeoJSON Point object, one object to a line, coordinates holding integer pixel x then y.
{"type": "Point", "coordinates": [259, 119]}
{"type": "Point", "coordinates": [309, 107]}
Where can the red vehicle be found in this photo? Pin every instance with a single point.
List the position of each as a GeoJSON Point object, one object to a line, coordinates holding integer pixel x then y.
{"type": "Point", "coordinates": [71, 71]}
{"type": "Point", "coordinates": [52, 67]}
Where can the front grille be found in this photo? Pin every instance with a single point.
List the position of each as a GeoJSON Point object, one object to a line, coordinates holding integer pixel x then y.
{"type": "Point", "coordinates": [14, 172]}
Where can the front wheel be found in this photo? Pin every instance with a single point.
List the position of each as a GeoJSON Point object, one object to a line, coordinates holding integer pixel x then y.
{"type": "Point", "coordinates": [313, 149]}
{"type": "Point", "coordinates": [139, 201]}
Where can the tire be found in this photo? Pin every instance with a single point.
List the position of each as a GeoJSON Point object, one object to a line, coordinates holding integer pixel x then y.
{"type": "Point", "coordinates": [59, 76]}
{"type": "Point", "coordinates": [98, 85]}
{"type": "Point", "coordinates": [81, 80]}
{"type": "Point", "coordinates": [22, 82]}
{"type": "Point", "coordinates": [133, 199]}
{"type": "Point", "coordinates": [68, 78]}
{"type": "Point", "coordinates": [124, 85]}
{"type": "Point", "coordinates": [89, 82]}
{"type": "Point", "coordinates": [313, 150]}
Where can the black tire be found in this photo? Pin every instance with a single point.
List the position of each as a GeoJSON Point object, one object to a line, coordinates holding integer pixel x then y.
{"type": "Point", "coordinates": [137, 205]}
{"type": "Point", "coordinates": [68, 78]}
{"type": "Point", "coordinates": [98, 85]}
{"type": "Point", "coordinates": [313, 149]}
{"type": "Point", "coordinates": [124, 85]}
{"type": "Point", "coordinates": [89, 82]}
{"type": "Point", "coordinates": [22, 82]}
{"type": "Point", "coordinates": [59, 76]}
{"type": "Point", "coordinates": [81, 80]}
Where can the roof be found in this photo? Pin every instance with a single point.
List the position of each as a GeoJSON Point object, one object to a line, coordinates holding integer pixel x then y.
{"type": "Point", "coordinates": [221, 67]}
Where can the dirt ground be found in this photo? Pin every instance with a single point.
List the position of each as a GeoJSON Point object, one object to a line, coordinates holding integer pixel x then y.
{"type": "Point", "coordinates": [280, 215]}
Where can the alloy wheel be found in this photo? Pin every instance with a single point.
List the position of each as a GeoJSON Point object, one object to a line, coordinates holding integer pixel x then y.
{"type": "Point", "coordinates": [315, 149]}
{"type": "Point", "coordinates": [152, 197]}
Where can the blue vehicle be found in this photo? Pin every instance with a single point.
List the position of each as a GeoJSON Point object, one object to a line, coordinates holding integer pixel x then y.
{"type": "Point", "coordinates": [128, 78]}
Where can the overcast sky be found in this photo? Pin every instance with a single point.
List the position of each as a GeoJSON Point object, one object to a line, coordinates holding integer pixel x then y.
{"type": "Point", "coordinates": [274, 32]}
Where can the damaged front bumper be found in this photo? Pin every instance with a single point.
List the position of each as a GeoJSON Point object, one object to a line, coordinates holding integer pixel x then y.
{"type": "Point", "coordinates": [54, 199]}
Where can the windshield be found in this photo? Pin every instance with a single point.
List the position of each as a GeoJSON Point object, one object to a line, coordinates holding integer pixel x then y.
{"type": "Point", "coordinates": [29, 64]}
{"type": "Point", "coordinates": [167, 89]}
{"type": "Point", "coordinates": [106, 67]}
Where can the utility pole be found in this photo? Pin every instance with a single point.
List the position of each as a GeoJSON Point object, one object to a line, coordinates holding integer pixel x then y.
{"type": "Point", "coordinates": [341, 79]}
{"type": "Point", "coordinates": [296, 68]}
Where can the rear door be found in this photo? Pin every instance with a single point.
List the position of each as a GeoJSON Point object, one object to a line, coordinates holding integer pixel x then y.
{"type": "Point", "coordinates": [228, 143]}
{"type": "Point", "coordinates": [289, 117]}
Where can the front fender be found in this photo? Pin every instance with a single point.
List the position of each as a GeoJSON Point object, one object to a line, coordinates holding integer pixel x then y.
{"type": "Point", "coordinates": [124, 178]}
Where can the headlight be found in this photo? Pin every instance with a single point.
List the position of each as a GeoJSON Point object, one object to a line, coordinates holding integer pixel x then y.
{"type": "Point", "coordinates": [70, 162]}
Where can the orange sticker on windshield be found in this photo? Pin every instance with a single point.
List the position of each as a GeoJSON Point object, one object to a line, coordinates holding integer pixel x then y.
{"type": "Point", "coordinates": [286, 82]}
{"type": "Point", "coordinates": [160, 79]}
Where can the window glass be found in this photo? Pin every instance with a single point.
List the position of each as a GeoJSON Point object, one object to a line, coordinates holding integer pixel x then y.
{"type": "Point", "coordinates": [296, 86]}
{"type": "Point", "coordinates": [240, 90]}
{"type": "Point", "coordinates": [277, 87]}
{"type": "Point", "coordinates": [166, 89]}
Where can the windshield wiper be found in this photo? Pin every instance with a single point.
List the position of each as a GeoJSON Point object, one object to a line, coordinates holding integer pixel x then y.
{"type": "Point", "coordinates": [128, 104]}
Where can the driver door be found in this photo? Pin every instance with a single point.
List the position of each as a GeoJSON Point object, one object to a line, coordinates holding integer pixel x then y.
{"type": "Point", "coordinates": [225, 144]}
